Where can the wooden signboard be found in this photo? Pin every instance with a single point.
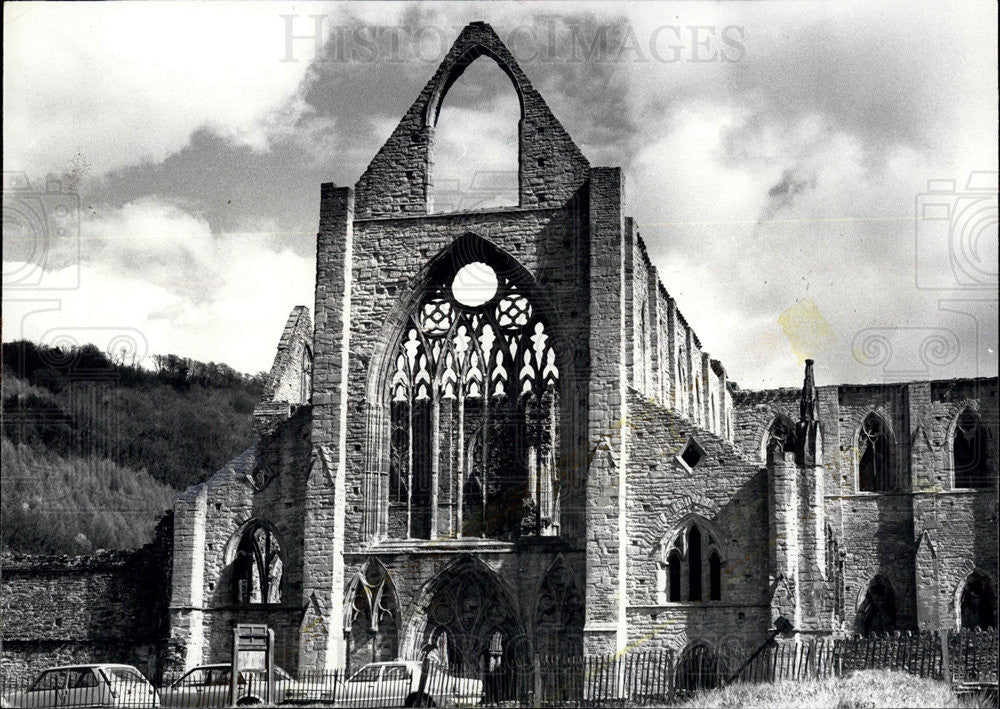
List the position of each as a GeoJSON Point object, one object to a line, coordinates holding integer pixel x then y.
{"type": "Point", "coordinates": [253, 650]}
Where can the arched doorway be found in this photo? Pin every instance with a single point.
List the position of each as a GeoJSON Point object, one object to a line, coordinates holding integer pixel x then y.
{"type": "Point", "coordinates": [698, 668]}
{"type": "Point", "coordinates": [467, 622]}
{"type": "Point", "coordinates": [877, 613]}
{"type": "Point", "coordinates": [978, 605]}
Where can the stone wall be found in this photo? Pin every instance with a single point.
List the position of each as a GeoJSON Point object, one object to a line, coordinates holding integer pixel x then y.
{"type": "Point", "coordinates": [925, 538]}
{"type": "Point", "coordinates": [267, 482]}
{"type": "Point", "coordinates": [109, 606]}
{"type": "Point", "coordinates": [727, 490]}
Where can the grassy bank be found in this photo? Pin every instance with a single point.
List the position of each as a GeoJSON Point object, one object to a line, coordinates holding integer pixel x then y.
{"type": "Point", "coordinates": [871, 688]}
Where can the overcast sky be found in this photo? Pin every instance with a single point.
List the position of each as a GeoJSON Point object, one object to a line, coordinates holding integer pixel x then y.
{"type": "Point", "coordinates": [777, 158]}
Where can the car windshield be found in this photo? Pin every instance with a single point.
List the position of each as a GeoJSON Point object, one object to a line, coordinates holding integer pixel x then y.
{"type": "Point", "coordinates": [127, 675]}
{"type": "Point", "coordinates": [47, 680]}
{"type": "Point", "coordinates": [395, 672]}
{"type": "Point", "coordinates": [366, 674]}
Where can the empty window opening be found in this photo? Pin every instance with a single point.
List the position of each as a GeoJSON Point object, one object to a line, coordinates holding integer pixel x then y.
{"type": "Point", "coordinates": [970, 451]}
{"type": "Point", "coordinates": [978, 607]}
{"type": "Point", "coordinates": [694, 564]}
{"type": "Point", "coordinates": [780, 436]}
{"type": "Point", "coordinates": [874, 465]}
{"type": "Point", "coordinates": [474, 162]}
{"type": "Point", "coordinates": [714, 577]}
{"type": "Point", "coordinates": [474, 284]}
{"type": "Point", "coordinates": [257, 565]}
{"type": "Point", "coordinates": [692, 454]}
{"type": "Point", "coordinates": [674, 564]}
{"type": "Point", "coordinates": [474, 411]}
{"type": "Point", "coordinates": [878, 611]}
{"type": "Point", "coordinates": [691, 561]}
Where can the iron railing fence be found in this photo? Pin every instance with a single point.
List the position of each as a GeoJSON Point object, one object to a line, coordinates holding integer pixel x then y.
{"type": "Point", "coordinates": [633, 678]}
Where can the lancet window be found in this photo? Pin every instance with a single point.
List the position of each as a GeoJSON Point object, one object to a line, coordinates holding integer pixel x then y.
{"type": "Point", "coordinates": [875, 472]}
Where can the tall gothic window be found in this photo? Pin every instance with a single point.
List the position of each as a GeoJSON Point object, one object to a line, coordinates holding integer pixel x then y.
{"type": "Point", "coordinates": [474, 411]}
{"type": "Point", "coordinates": [978, 609]}
{"type": "Point", "coordinates": [257, 565]}
{"type": "Point", "coordinates": [874, 461]}
{"type": "Point", "coordinates": [690, 566]}
{"type": "Point", "coordinates": [878, 611]}
{"type": "Point", "coordinates": [970, 452]}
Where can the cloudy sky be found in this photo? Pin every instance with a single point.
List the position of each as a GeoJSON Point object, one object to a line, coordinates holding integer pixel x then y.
{"type": "Point", "coordinates": [778, 160]}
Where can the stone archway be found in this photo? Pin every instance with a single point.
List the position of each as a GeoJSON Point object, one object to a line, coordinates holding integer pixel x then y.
{"type": "Point", "coordinates": [467, 621]}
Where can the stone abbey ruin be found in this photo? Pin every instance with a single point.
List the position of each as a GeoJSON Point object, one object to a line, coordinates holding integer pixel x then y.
{"type": "Point", "coordinates": [553, 464]}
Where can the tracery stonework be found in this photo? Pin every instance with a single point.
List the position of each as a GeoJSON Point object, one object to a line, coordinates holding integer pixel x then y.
{"type": "Point", "coordinates": [474, 414]}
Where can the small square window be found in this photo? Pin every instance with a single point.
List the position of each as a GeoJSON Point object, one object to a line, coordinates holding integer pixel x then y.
{"type": "Point", "coordinates": [691, 454]}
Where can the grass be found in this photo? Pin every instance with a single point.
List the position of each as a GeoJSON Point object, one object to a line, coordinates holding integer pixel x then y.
{"type": "Point", "coordinates": [861, 690]}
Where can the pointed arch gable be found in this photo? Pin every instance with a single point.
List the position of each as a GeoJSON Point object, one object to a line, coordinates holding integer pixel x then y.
{"type": "Point", "coordinates": [988, 583]}
{"type": "Point", "coordinates": [229, 551]}
{"type": "Point", "coordinates": [863, 590]}
{"type": "Point", "coordinates": [970, 408]}
{"type": "Point", "coordinates": [884, 419]}
{"type": "Point", "coordinates": [667, 539]}
{"type": "Point", "coordinates": [448, 75]}
{"type": "Point", "coordinates": [558, 565]}
{"type": "Point", "coordinates": [255, 565]}
{"type": "Point", "coordinates": [465, 563]}
{"type": "Point", "coordinates": [889, 476]}
{"type": "Point", "coordinates": [551, 170]}
{"type": "Point", "coordinates": [361, 576]}
{"type": "Point", "coordinates": [877, 607]}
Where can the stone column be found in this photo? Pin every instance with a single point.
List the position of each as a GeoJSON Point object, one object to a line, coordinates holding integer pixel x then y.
{"type": "Point", "coordinates": [323, 562]}
{"type": "Point", "coordinates": [783, 538]}
{"type": "Point", "coordinates": [187, 592]}
{"type": "Point", "coordinates": [606, 538]}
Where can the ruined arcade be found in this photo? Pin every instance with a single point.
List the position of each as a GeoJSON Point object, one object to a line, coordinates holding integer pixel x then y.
{"type": "Point", "coordinates": [551, 462]}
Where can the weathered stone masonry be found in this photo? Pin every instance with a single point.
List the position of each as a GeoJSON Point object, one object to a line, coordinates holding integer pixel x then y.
{"type": "Point", "coordinates": [559, 466]}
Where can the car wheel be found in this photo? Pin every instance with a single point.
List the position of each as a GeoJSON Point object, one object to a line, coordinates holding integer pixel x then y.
{"type": "Point", "coordinates": [248, 702]}
{"type": "Point", "coordinates": [419, 700]}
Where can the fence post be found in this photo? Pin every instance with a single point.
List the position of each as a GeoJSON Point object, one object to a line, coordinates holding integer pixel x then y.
{"type": "Point", "coordinates": [537, 671]}
{"type": "Point", "coordinates": [422, 684]}
{"type": "Point", "coordinates": [945, 656]}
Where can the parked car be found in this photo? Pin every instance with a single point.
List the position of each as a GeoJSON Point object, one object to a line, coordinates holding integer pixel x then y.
{"type": "Point", "coordinates": [102, 685]}
{"type": "Point", "coordinates": [393, 684]}
{"type": "Point", "coordinates": [210, 686]}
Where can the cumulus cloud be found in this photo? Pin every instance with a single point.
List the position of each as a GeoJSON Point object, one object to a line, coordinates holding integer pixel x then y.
{"type": "Point", "coordinates": [131, 83]}
{"type": "Point", "coordinates": [781, 174]}
{"type": "Point", "coordinates": [154, 272]}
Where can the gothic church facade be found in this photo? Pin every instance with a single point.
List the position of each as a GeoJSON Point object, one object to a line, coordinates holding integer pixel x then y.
{"type": "Point", "coordinates": [551, 462]}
